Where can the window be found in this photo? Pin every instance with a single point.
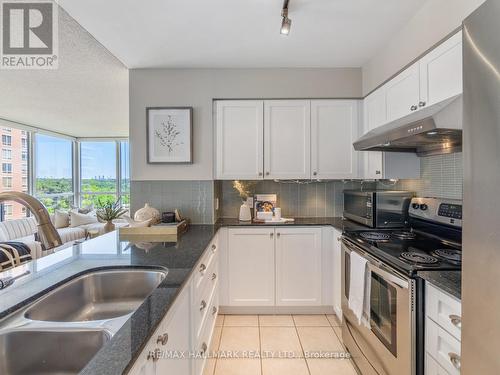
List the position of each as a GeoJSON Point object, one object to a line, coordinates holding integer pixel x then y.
{"type": "Point", "coordinates": [24, 155]}
{"type": "Point", "coordinates": [7, 130]}
{"type": "Point", "coordinates": [6, 154]}
{"type": "Point", "coordinates": [54, 171]}
{"type": "Point", "coordinates": [6, 140]}
{"type": "Point", "coordinates": [125, 173]}
{"type": "Point", "coordinates": [7, 182]}
{"type": "Point", "coordinates": [6, 168]}
{"type": "Point", "coordinates": [24, 143]}
{"type": "Point", "coordinates": [8, 211]}
{"type": "Point", "coordinates": [25, 182]}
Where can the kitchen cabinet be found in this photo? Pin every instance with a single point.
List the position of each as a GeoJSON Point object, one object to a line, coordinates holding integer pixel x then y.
{"type": "Point", "coordinates": [334, 128]}
{"type": "Point", "coordinates": [240, 138]}
{"type": "Point", "coordinates": [298, 266]}
{"type": "Point", "coordinates": [403, 93]}
{"type": "Point", "coordinates": [337, 272]}
{"type": "Point", "coordinates": [375, 110]}
{"type": "Point", "coordinates": [441, 72]}
{"type": "Point", "coordinates": [250, 267]}
{"type": "Point", "coordinates": [287, 139]}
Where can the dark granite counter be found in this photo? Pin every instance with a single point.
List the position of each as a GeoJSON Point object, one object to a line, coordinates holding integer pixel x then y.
{"type": "Point", "coordinates": [448, 281]}
{"type": "Point", "coordinates": [336, 222]}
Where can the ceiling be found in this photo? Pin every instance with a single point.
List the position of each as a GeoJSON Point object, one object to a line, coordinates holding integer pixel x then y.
{"type": "Point", "coordinates": [241, 33]}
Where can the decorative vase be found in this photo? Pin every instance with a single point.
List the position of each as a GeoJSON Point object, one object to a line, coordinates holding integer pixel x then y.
{"type": "Point", "coordinates": [245, 214]}
{"type": "Point", "coordinates": [109, 226]}
{"type": "Point", "coordinates": [148, 213]}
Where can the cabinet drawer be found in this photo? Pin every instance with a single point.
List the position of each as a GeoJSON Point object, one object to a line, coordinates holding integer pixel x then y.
{"type": "Point", "coordinates": [432, 367]}
{"type": "Point", "coordinates": [207, 329]}
{"type": "Point", "coordinates": [444, 310]}
{"type": "Point", "coordinates": [201, 305]}
{"type": "Point", "coordinates": [443, 347]}
{"type": "Point", "coordinates": [201, 273]}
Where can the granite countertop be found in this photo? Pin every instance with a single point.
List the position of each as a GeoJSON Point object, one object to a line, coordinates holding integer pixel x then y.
{"type": "Point", "coordinates": [118, 354]}
{"type": "Point", "coordinates": [447, 281]}
{"type": "Point", "coordinates": [336, 222]}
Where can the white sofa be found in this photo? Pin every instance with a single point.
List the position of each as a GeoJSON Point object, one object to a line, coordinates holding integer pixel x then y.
{"type": "Point", "coordinates": [24, 230]}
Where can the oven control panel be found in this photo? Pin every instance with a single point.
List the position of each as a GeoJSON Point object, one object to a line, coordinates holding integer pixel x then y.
{"type": "Point", "coordinates": [444, 211]}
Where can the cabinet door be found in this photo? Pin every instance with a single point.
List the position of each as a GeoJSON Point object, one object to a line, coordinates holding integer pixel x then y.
{"type": "Point", "coordinates": [287, 139]}
{"type": "Point", "coordinates": [334, 128]}
{"type": "Point", "coordinates": [403, 93]}
{"type": "Point", "coordinates": [337, 271]}
{"type": "Point", "coordinates": [176, 327]}
{"type": "Point", "coordinates": [375, 109]}
{"type": "Point", "coordinates": [240, 127]}
{"type": "Point", "coordinates": [441, 72]}
{"type": "Point", "coordinates": [250, 267]}
{"type": "Point", "coordinates": [298, 266]}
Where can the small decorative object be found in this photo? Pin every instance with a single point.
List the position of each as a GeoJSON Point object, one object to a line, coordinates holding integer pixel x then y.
{"type": "Point", "coordinates": [168, 217]}
{"type": "Point", "coordinates": [169, 134]}
{"type": "Point", "coordinates": [245, 189]}
{"type": "Point", "coordinates": [178, 216]}
{"type": "Point", "coordinates": [148, 213]}
{"type": "Point", "coordinates": [264, 206]}
{"type": "Point", "coordinates": [108, 212]}
{"type": "Point", "coordinates": [277, 213]}
{"type": "Point", "coordinates": [137, 224]}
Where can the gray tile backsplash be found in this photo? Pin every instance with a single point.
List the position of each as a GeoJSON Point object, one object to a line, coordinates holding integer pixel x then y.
{"type": "Point", "coordinates": [441, 177]}
{"type": "Point", "coordinates": [296, 199]}
{"type": "Point", "coordinates": [194, 199]}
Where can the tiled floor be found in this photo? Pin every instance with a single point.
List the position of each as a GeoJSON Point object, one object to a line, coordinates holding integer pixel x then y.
{"type": "Point", "coordinates": [277, 345]}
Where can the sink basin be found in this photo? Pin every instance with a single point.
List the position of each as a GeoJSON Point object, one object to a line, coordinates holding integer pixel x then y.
{"type": "Point", "coordinates": [96, 296]}
{"type": "Point", "coordinates": [33, 352]}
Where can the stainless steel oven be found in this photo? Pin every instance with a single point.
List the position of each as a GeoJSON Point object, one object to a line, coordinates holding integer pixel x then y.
{"type": "Point", "coordinates": [377, 208]}
{"type": "Point", "coordinates": [389, 345]}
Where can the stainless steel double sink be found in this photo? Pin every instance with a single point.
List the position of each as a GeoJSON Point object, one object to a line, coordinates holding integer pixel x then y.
{"type": "Point", "coordinates": [61, 331]}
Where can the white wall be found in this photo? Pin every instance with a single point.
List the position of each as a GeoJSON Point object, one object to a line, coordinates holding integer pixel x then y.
{"type": "Point", "coordinates": [198, 87]}
{"type": "Point", "coordinates": [433, 22]}
{"type": "Point", "coordinates": [87, 96]}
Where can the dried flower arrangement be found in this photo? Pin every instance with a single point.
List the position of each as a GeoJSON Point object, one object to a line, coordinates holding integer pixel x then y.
{"type": "Point", "coordinates": [245, 188]}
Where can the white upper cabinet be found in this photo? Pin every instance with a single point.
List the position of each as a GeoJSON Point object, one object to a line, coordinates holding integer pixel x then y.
{"type": "Point", "coordinates": [441, 72]}
{"type": "Point", "coordinates": [240, 127]}
{"type": "Point", "coordinates": [334, 128]}
{"type": "Point", "coordinates": [374, 110]}
{"type": "Point", "coordinates": [287, 139]}
{"type": "Point", "coordinates": [298, 266]}
{"type": "Point", "coordinates": [402, 93]}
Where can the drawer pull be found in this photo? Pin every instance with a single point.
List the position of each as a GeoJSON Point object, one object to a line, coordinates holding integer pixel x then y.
{"type": "Point", "coordinates": [162, 339]}
{"type": "Point", "coordinates": [214, 248]}
{"type": "Point", "coordinates": [214, 310]}
{"type": "Point", "coordinates": [203, 304]}
{"type": "Point", "coordinates": [214, 276]}
{"type": "Point", "coordinates": [202, 268]}
{"type": "Point", "coordinates": [204, 348]}
{"type": "Point", "coordinates": [456, 321]}
{"type": "Point", "coordinates": [455, 360]}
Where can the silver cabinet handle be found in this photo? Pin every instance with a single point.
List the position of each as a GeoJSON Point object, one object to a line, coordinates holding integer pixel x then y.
{"type": "Point", "coordinates": [378, 172]}
{"type": "Point", "coordinates": [422, 104]}
{"type": "Point", "coordinates": [267, 173]}
{"type": "Point", "coordinates": [214, 310]}
{"type": "Point", "coordinates": [278, 234]}
{"type": "Point", "coordinates": [456, 321]}
{"type": "Point", "coordinates": [203, 304]}
{"type": "Point", "coordinates": [214, 276]}
{"type": "Point", "coordinates": [260, 173]}
{"type": "Point", "coordinates": [315, 173]}
{"type": "Point", "coordinates": [271, 234]}
{"type": "Point", "coordinates": [204, 348]}
{"type": "Point", "coordinates": [214, 247]}
{"type": "Point", "coordinates": [202, 268]}
{"type": "Point", "coordinates": [162, 339]}
{"type": "Point", "coordinates": [455, 360]}
{"type": "Point", "coordinates": [413, 108]}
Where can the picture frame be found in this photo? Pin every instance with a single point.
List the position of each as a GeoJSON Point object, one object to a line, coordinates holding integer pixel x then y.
{"type": "Point", "coordinates": [169, 135]}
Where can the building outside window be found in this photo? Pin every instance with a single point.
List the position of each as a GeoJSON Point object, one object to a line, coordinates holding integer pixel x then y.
{"type": "Point", "coordinates": [6, 168]}
{"type": "Point", "coordinates": [24, 143]}
{"type": "Point", "coordinates": [24, 155]}
{"type": "Point", "coordinates": [7, 182]}
{"type": "Point", "coordinates": [6, 140]}
{"type": "Point", "coordinates": [6, 154]}
{"type": "Point", "coordinates": [8, 211]}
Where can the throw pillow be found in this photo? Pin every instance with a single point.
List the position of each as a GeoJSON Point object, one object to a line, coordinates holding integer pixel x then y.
{"type": "Point", "coordinates": [77, 219]}
{"type": "Point", "coordinates": [61, 219]}
{"type": "Point", "coordinates": [83, 210]}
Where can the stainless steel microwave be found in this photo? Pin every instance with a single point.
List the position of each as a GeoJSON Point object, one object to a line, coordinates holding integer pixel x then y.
{"type": "Point", "coordinates": [377, 208]}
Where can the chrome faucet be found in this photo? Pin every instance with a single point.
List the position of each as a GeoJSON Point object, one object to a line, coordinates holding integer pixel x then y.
{"type": "Point", "coordinates": [48, 234]}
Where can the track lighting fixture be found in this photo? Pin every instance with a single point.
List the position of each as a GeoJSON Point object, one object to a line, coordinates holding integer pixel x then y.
{"type": "Point", "coordinates": [286, 23]}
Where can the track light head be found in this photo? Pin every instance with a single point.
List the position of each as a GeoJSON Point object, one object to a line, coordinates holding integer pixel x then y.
{"type": "Point", "coordinates": [286, 23]}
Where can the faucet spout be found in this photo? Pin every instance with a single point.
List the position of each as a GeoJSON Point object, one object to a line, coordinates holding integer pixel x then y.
{"type": "Point", "coordinates": [47, 232]}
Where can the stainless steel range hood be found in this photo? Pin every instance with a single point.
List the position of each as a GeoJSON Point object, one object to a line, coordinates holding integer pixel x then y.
{"type": "Point", "coordinates": [430, 131]}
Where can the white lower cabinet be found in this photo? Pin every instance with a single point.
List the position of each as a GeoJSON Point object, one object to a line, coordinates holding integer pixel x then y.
{"type": "Point", "coordinates": [337, 272]}
{"type": "Point", "coordinates": [298, 266]}
{"type": "Point", "coordinates": [250, 267]}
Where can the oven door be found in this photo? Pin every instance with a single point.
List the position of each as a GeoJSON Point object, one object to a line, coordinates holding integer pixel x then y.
{"type": "Point", "coordinates": [359, 207]}
{"type": "Point", "coordinates": [387, 346]}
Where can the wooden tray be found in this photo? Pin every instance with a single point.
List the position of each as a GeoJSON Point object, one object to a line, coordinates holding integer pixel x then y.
{"type": "Point", "coordinates": [164, 232]}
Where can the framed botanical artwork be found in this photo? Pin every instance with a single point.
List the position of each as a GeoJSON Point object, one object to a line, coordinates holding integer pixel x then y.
{"type": "Point", "coordinates": [169, 134]}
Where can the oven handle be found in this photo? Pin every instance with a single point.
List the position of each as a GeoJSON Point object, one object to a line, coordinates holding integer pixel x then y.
{"type": "Point", "coordinates": [378, 267]}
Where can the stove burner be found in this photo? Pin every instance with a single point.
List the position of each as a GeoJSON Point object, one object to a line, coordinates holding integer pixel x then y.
{"type": "Point", "coordinates": [404, 235]}
{"type": "Point", "coordinates": [375, 236]}
{"type": "Point", "coordinates": [419, 258]}
{"type": "Point", "coordinates": [449, 254]}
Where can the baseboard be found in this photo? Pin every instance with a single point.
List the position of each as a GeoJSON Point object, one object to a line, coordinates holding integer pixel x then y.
{"type": "Point", "coordinates": [338, 312]}
{"type": "Point", "coordinates": [270, 310]}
